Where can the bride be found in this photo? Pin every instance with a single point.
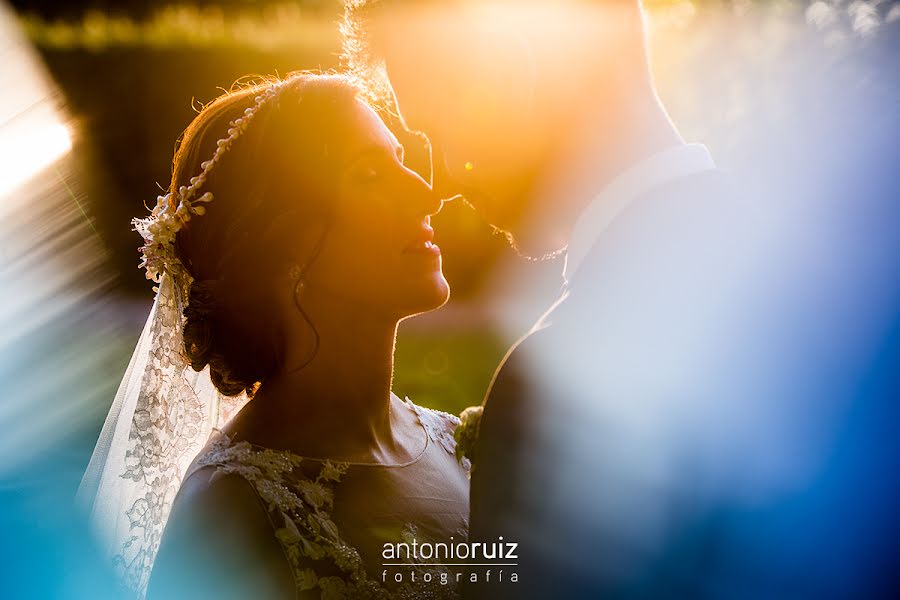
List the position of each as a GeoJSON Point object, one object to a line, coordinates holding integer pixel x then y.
{"type": "Point", "coordinates": [292, 243]}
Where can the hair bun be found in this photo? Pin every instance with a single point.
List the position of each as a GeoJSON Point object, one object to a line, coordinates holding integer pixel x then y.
{"type": "Point", "coordinates": [203, 299]}
{"type": "Point", "coordinates": [199, 333]}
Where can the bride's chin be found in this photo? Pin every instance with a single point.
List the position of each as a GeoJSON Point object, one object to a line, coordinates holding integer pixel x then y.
{"type": "Point", "coordinates": [442, 291]}
{"type": "Point", "coordinates": [431, 298]}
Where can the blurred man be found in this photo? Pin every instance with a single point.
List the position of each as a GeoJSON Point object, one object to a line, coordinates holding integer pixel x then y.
{"type": "Point", "coordinates": [663, 428]}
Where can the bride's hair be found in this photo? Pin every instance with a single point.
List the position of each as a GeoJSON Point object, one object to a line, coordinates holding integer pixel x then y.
{"type": "Point", "coordinates": [276, 174]}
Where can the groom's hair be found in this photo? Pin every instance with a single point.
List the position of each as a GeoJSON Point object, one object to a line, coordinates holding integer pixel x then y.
{"type": "Point", "coordinates": [361, 57]}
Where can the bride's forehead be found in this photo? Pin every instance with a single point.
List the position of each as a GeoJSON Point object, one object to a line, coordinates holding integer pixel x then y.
{"type": "Point", "coordinates": [366, 128]}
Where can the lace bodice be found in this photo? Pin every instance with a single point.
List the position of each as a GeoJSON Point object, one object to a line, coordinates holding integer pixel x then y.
{"type": "Point", "coordinates": [332, 518]}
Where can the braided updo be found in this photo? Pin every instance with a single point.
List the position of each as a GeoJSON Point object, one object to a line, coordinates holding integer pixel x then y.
{"type": "Point", "coordinates": [204, 318]}
{"type": "Point", "coordinates": [277, 173]}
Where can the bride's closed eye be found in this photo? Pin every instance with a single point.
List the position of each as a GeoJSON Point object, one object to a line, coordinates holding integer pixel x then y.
{"type": "Point", "coordinates": [366, 174]}
{"type": "Point", "coordinates": [369, 166]}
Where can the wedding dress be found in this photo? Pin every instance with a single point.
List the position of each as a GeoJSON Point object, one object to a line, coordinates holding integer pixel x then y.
{"type": "Point", "coordinates": [333, 518]}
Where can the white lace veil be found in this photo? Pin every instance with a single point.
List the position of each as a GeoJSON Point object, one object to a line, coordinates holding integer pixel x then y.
{"type": "Point", "coordinates": [162, 415]}
{"type": "Point", "coordinates": [164, 410]}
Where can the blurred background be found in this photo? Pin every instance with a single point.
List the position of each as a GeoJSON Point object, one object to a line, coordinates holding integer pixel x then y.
{"type": "Point", "coordinates": [794, 96]}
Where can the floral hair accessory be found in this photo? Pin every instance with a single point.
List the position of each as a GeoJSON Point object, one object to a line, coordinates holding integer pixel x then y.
{"type": "Point", "coordinates": [165, 408]}
{"type": "Point", "coordinates": [168, 217]}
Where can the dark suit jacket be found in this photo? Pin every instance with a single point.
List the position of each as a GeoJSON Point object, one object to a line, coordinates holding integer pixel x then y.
{"type": "Point", "coordinates": [663, 431]}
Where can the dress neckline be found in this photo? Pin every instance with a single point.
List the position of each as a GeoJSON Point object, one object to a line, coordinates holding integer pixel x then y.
{"type": "Point", "coordinates": [406, 402]}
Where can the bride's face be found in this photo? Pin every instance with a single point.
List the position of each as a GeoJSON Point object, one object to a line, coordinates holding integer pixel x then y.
{"type": "Point", "coordinates": [378, 250]}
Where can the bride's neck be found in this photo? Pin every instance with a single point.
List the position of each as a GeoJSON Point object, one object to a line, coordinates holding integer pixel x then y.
{"type": "Point", "coordinates": [341, 385]}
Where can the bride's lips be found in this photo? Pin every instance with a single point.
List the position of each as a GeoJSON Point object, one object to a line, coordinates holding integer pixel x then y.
{"type": "Point", "coordinates": [423, 243]}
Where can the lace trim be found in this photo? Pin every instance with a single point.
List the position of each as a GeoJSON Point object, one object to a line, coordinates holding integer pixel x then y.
{"type": "Point", "coordinates": [441, 427]}
{"type": "Point", "coordinates": [430, 438]}
{"type": "Point", "coordinates": [299, 506]}
{"type": "Point", "coordinates": [300, 503]}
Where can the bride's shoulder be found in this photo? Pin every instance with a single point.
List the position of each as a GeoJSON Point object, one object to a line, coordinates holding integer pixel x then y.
{"type": "Point", "coordinates": [216, 519]}
{"type": "Point", "coordinates": [432, 414]}
{"type": "Point", "coordinates": [432, 417]}
{"type": "Point", "coordinates": [209, 497]}
{"type": "Point", "coordinates": [440, 425]}
{"type": "Point", "coordinates": [207, 491]}
{"type": "Point", "coordinates": [218, 488]}
{"type": "Point", "coordinates": [458, 435]}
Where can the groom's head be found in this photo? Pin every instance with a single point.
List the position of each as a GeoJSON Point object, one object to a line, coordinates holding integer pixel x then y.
{"type": "Point", "coordinates": [503, 89]}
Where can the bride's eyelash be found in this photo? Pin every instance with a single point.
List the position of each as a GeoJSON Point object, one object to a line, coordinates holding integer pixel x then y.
{"type": "Point", "coordinates": [374, 168]}
{"type": "Point", "coordinates": [368, 173]}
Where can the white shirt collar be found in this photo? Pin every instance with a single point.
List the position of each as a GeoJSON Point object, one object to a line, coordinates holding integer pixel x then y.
{"type": "Point", "coordinates": [650, 172]}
